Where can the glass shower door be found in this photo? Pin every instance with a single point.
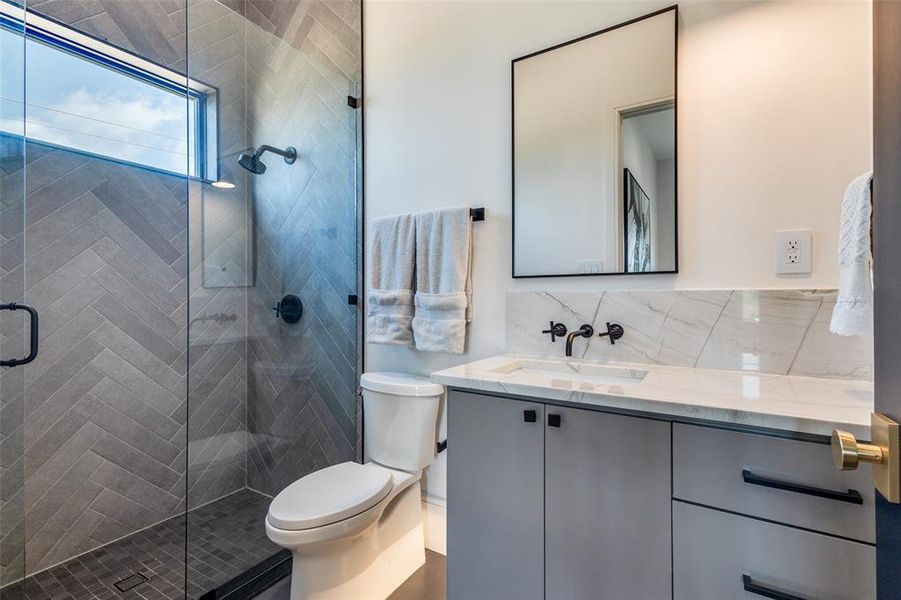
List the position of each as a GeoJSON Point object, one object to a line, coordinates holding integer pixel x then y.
{"type": "Point", "coordinates": [94, 216]}
{"type": "Point", "coordinates": [12, 288]}
{"type": "Point", "coordinates": [272, 392]}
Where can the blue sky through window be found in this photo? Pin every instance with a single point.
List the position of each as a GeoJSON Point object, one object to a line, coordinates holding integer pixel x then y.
{"type": "Point", "coordinates": [75, 102]}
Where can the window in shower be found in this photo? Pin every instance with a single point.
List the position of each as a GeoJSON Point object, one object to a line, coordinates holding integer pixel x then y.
{"type": "Point", "coordinates": [87, 95]}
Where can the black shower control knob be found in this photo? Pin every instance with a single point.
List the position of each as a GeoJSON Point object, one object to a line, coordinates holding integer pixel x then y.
{"type": "Point", "coordinates": [289, 308]}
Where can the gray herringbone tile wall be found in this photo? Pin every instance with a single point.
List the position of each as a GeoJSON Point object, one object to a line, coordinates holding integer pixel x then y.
{"type": "Point", "coordinates": [302, 404]}
{"type": "Point", "coordinates": [164, 379]}
{"type": "Point", "coordinates": [103, 408]}
{"type": "Point", "coordinates": [218, 259]}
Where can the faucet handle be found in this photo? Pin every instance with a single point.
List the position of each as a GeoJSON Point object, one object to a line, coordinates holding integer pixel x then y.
{"type": "Point", "coordinates": [556, 330]}
{"type": "Point", "coordinates": [614, 330]}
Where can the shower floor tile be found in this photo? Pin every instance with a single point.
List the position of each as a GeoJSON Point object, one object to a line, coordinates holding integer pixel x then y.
{"type": "Point", "coordinates": [226, 538]}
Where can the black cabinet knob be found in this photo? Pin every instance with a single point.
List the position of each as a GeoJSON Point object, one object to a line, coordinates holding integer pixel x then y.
{"type": "Point", "coordinates": [529, 416]}
{"type": "Point", "coordinates": [553, 420]}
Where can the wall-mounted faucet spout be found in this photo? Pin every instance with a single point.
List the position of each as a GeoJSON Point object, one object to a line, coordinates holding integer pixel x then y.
{"type": "Point", "coordinates": [585, 331]}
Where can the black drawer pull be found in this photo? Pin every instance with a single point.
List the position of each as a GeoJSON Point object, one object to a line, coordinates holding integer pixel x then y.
{"type": "Point", "coordinates": [553, 420]}
{"type": "Point", "coordinates": [766, 592]}
{"type": "Point", "coordinates": [529, 416]}
{"type": "Point", "coordinates": [851, 496]}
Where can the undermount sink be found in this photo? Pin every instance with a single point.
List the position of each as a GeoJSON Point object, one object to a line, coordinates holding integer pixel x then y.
{"type": "Point", "coordinates": [572, 371]}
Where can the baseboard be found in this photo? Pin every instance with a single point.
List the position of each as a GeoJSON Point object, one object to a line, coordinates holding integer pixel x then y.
{"type": "Point", "coordinates": [434, 519]}
{"type": "Point", "coordinates": [255, 580]}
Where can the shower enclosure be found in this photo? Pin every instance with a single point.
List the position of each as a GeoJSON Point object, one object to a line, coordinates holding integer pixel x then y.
{"type": "Point", "coordinates": [195, 283]}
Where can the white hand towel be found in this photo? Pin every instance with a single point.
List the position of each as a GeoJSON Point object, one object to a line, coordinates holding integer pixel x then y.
{"type": "Point", "coordinates": [853, 313]}
{"type": "Point", "coordinates": [392, 256]}
{"type": "Point", "coordinates": [443, 280]}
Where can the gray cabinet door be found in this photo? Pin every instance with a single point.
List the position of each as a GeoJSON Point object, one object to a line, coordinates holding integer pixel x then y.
{"type": "Point", "coordinates": [495, 503]}
{"type": "Point", "coordinates": [607, 507]}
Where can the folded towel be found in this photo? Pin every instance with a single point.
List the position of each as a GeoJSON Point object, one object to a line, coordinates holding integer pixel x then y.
{"type": "Point", "coordinates": [443, 280]}
{"type": "Point", "coordinates": [853, 313]}
{"type": "Point", "coordinates": [393, 251]}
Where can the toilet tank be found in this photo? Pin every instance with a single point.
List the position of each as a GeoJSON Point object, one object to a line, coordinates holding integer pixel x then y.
{"type": "Point", "coordinates": [400, 416]}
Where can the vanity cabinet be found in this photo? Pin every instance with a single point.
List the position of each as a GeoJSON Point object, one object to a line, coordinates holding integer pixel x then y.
{"type": "Point", "coordinates": [550, 501]}
{"type": "Point", "coordinates": [531, 490]}
{"type": "Point", "coordinates": [495, 509]}
{"type": "Point", "coordinates": [597, 466]}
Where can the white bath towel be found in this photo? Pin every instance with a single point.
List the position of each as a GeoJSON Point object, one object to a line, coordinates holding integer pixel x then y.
{"type": "Point", "coordinates": [853, 313]}
{"type": "Point", "coordinates": [392, 256]}
{"type": "Point", "coordinates": [443, 280]}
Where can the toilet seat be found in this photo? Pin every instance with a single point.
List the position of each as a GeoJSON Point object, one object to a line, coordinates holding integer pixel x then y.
{"type": "Point", "coordinates": [330, 495]}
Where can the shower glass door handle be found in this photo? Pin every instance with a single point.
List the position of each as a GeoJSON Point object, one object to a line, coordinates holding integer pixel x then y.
{"type": "Point", "coordinates": [32, 354]}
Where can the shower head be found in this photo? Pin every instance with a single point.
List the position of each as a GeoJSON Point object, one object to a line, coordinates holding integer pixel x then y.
{"type": "Point", "coordinates": [252, 162]}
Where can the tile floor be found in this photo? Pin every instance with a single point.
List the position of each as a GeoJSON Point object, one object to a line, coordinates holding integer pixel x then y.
{"type": "Point", "coordinates": [226, 537]}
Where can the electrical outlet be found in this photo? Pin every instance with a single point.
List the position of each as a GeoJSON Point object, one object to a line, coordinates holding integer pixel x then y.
{"type": "Point", "coordinates": [590, 265]}
{"type": "Point", "coordinates": [793, 251]}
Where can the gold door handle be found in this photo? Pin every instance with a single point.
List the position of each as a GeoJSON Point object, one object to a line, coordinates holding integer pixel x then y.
{"type": "Point", "coordinates": [883, 454]}
{"type": "Point", "coordinates": [847, 452]}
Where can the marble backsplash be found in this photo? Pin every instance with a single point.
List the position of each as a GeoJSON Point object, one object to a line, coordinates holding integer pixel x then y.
{"type": "Point", "coordinates": [771, 331]}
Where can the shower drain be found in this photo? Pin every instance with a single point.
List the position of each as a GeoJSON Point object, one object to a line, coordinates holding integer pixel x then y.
{"type": "Point", "coordinates": [131, 582]}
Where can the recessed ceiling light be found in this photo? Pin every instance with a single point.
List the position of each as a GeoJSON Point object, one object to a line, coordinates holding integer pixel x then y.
{"type": "Point", "coordinates": [225, 185]}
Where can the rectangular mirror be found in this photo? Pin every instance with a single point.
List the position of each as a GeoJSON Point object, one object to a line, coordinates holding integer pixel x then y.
{"type": "Point", "coordinates": [594, 153]}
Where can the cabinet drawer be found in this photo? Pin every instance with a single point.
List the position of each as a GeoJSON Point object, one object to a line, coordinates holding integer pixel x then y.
{"type": "Point", "coordinates": [714, 553]}
{"type": "Point", "coordinates": [784, 480]}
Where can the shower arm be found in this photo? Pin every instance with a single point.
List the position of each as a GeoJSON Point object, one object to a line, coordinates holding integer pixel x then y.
{"type": "Point", "coordinates": [283, 153]}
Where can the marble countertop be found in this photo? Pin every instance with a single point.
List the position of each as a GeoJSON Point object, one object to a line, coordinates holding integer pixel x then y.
{"type": "Point", "coordinates": [786, 402]}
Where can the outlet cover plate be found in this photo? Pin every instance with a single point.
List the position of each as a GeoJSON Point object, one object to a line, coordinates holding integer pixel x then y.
{"type": "Point", "coordinates": [793, 251]}
{"type": "Point", "coordinates": [591, 265]}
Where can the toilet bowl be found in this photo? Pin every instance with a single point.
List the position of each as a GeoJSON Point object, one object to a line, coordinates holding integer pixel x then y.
{"type": "Point", "coordinates": [355, 530]}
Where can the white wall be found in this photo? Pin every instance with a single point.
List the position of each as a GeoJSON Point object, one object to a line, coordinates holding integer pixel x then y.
{"type": "Point", "coordinates": [773, 121]}
{"type": "Point", "coordinates": [665, 206]}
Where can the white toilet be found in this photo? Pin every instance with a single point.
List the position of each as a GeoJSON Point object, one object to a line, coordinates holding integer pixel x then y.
{"type": "Point", "coordinates": [356, 530]}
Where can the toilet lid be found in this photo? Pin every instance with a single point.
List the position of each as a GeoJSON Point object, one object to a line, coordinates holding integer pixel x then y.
{"type": "Point", "coordinates": [330, 495]}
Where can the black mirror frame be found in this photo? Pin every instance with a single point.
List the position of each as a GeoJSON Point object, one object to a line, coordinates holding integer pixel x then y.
{"type": "Point", "coordinates": [675, 9]}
